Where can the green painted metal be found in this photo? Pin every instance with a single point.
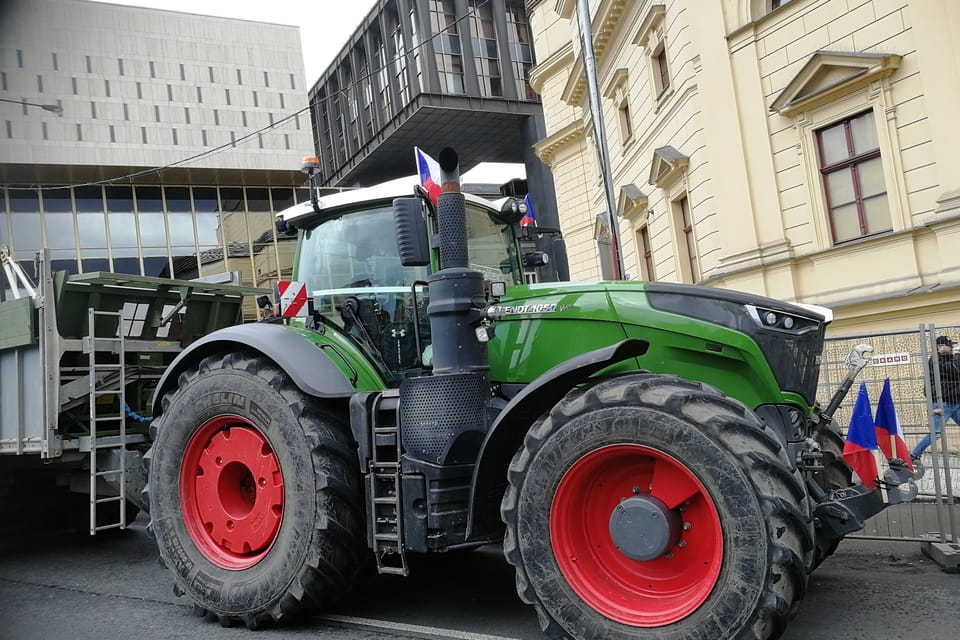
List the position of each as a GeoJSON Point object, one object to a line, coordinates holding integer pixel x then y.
{"type": "Point", "coordinates": [347, 357]}
{"type": "Point", "coordinates": [17, 323]}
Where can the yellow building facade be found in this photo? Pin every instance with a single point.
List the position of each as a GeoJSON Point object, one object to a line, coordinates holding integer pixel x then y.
{"type": "Point", "coordinates": [807, 150]}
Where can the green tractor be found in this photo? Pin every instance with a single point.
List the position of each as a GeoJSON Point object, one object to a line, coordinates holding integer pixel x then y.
{"type": "Point", "coordinates": [651, 456]}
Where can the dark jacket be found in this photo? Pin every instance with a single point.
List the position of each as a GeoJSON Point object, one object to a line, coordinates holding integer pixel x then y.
{"type": "Point", "coordinates": [949, 366]}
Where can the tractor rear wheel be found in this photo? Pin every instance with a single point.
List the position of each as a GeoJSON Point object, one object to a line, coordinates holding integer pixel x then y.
{"type": "Point", "coordinates": [255, 493]}
{"type": "Point", "coordinates": [835, 474]}
{"type": "Point", "coordinates": [650, 504]}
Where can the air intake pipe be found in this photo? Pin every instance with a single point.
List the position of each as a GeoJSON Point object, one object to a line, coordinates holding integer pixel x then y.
{"type": "Point", "coordinates": [456, 291]}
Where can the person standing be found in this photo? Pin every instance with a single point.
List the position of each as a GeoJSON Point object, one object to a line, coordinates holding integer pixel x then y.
{"type": "Point", "coordinates": [946, 399]}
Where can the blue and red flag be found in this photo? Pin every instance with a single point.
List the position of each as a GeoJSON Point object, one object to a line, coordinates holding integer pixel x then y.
{"type": "Point", "coordinates": [530, 217]}
{"type": "Point", "coordinates": [889, 434]}
{"type": "Point", "coordinates": [862, 441]}
{"type": "Point", "coordinates": [428, 170]}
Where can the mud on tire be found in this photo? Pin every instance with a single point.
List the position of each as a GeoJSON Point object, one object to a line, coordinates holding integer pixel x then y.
{"type": "Point", "coordinates": [255, 493]}
{"type": "Point", "coordinates": [632, 437]}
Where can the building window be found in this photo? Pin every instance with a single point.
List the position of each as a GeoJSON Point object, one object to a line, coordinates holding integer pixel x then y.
{"type": "Point", "coordinates": [183, 72]}
{"type": "Point", "coordinates": [56, 64]}
{"type": "Point", "coordinates": [43, 130]}
{"type": "Point", "coordinates": [521, 49]}
{"type": "Point", "coordinates": [260, 139]}
{"type": "Point", "coordinates": [853, 182]}
{"type": "Point", "coordinates": [286, 141]}
{"type": "Point", "coordinates": [661, 72]}
{"type": "Point", "coordinates": [143, 134]}
{"type": "Point", "coordinates": [216, 117]}
{"type": "Point", "coordinates": [296, 120]}
{"type": "Point", "coordinates": [79, 133]}
{"type": "Point", "coordinates": [256, 100]}
{"type": "Point", "coordinates": [270, 118]}
{"type": "Point", "coordinates": [40, 84]}
{"type": "Point", "coordinates": [227, 94]}
{"type": "Point", "coordinates": [446, 43]}
{"type": "Point", "coordinates": [645, 253]}
{"type": "Point", "coordinates": [266, 79]}
{"type": "Point", "coordinates": [9, 130]}
{"type": "Point", "coordinates": [233, 139]}
{"type": "Point", "coordinates": [626, 122]}
{"type": "Point", "coordinates": [139, 91]}
{"type": "Point", "coordinates": [113, 134]}
{"type": "Point", "coordinates": [239, 77]}
{"type": "Point", "coordinates": [106, 88]}
{"type": "Point", "coordinates": [73, 83]}
{"type": "Point", "coordinates": [400, 62]}
{"type": "Point", "coordinates": [485, 49]}
{"type": "Point", "coordinates": [199, 95]}
{"type": "Point", "coordinates": [282, 102]}
{"type": "Point", "coordinates": [153, 69]}
{"type": "Point", "coordinates": [3, 80]}
{"type": "Point", "coordinates": [170, 92]}
{"type": "Point", "coordinates": [203, 137]}
{"type": "Point", "coordinates": [93, 110]}
{"type": "Point", "coordinates": [776, 4]}
{"type": "Point", "coordinates": [20, 58]}
{"type": "Point", "coordinates": [210, 71]}
{"type": "Point", "coordinates": [126, 111]}
{"type": "Point", "coordinates": [687, 239]}
{"type": "Point", "coordinates": [186, 115]}
{"type": "Point", "coordinates": [120, 65]}
{"type": "Point", "coordinates": [243, 118]}
{"type": "Point", "coordinates": [174, 131]}
{"type": "Point", "coordinates": [293, 82]}
{"type": "Point", "coordinates": [156, 113]}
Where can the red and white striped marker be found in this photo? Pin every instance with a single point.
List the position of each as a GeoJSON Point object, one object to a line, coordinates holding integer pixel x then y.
{"type": "Point", "coordinates": [293, 299]}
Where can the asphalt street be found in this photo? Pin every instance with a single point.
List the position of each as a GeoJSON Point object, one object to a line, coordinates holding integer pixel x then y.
{"type": "Point", "coordinates": [59, 586]}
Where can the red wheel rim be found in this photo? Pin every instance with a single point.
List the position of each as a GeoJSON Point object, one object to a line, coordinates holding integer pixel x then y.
{"type": "Point", "coordinates": [637, 593]}
{"type": "Point", "coordinates": [231, 489]}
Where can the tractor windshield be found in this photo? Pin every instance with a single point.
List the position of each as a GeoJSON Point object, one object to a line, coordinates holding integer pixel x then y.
{"type": "Point", "coordinates": [351, 266]}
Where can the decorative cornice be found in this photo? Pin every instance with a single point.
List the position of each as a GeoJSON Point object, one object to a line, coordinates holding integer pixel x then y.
{"type": "Point", "coordinates": [651, 21]}
{"type": "Point", "coordinates": [551, 66]}
{"type": "Point", "coordinates": [667, 166]}
{"type": "Point", "coordinates": [546, 148]}
{"type": "Point", "coordinates": [829, 74]}
{"type": "Point", "coordinates": [564, 8]}
{"type": "Point", "coordinates": [604, 24]}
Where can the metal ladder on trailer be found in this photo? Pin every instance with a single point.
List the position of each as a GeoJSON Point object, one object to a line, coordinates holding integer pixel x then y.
{"type": "Point", "coordinates": [386, 504]}
{"type": "Point", "coordinates": [94, 345]}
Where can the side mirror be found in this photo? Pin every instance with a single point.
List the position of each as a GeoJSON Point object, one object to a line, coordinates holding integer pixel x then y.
{"type": "Point", "coordinates": [411, 232]}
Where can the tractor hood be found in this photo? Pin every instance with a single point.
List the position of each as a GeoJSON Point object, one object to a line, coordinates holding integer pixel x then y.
{"type": "Point", "coordinates": [777, 344]}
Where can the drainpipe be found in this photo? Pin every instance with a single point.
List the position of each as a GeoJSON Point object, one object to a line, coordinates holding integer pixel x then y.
{"type": "Point", "coordinates": [600, 133]}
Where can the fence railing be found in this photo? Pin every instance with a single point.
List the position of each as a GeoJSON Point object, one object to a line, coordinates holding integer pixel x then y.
{"type": "Point", "coordinates": [902, 357]}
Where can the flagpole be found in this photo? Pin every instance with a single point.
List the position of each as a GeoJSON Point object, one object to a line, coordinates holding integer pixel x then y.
{"type": "Point", "coordinates": [879, 458]}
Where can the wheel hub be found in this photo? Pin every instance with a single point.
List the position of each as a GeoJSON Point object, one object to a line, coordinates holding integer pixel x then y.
{"type": "Point", "coordinates": [643, 528]}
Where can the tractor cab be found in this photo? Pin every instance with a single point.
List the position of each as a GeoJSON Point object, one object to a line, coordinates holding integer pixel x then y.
{"type": "Point", "coordinates": [349, 260]}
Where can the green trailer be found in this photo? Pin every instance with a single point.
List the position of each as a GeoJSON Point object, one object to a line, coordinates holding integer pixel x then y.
{"type": "Point", "coordinates": [80, 356]}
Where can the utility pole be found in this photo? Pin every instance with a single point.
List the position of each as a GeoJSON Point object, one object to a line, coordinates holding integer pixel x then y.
{"type": "Point", "coordinates": [600, 133]}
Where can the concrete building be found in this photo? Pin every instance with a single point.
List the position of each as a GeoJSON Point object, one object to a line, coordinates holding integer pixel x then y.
{"type": "Point", "coordinates": [801, 149]}
{"type": "Point", "coordinates": [431, 73]}
{"type": "Point", "coordinates": [180, 135]}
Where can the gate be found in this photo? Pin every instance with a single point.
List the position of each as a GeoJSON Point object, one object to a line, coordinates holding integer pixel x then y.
{"type": "Point", "coordinates": [902, 356]}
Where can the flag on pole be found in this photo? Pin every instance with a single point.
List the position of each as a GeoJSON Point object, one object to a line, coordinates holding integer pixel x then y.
{"type": "Point", "coordinates": [889, 434]}
{"type": "Point", "coordinates": [428, 170]}
{"type": "Point", "coordinates": [861, 442]}
{"type": "Point", "coordinates": [530, 217]}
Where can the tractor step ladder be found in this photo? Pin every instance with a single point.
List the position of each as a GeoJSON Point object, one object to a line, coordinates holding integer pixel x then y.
{"type": "Point", "coordinates": [113, 345]}
{"type": "Point", "coordinates": [386, 501]}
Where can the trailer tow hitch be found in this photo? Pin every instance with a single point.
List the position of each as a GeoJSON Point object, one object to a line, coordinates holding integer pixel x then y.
{"type": "Point", "coordinates": [844, 511]}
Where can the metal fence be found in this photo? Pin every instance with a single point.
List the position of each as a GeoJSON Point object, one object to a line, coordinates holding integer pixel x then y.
{"type": "Point", "coordinates": [902, 356]}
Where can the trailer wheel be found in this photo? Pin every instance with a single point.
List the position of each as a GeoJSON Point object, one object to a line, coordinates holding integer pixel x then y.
{"type": "Point", "coordinates": [651, 503]}
{"type": "Point", "coordinates": [255, 493]}
{"type": "Point", "coordinates": [836, 474]}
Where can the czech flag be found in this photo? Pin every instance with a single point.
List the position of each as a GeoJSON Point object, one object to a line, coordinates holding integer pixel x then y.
{"type": "Point", "coordinates": [429, 171]}
{"type": "Point", "coordinates": [889, 433]}
{"type": "Point", "coordinates": [862, 441]}
{"type": "Point", "coordinates": [530, 217]}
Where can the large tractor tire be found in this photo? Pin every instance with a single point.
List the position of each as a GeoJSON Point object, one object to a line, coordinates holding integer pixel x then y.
{"type": "Point", "coordinates": [835, 474]}
{"type": "Point", "coordinates": [255, 493]}
{"type": "Point", "coordinates": [653, 506]}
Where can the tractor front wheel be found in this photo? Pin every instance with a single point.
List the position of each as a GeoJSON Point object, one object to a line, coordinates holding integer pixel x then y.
{"type": "Point", "coordinates": [255, 493]}
{"type": "Point", "coordinates": [654, 505]}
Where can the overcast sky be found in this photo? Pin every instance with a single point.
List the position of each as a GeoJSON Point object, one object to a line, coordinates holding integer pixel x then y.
{"type": "Point", "coordinates": [324, 25]}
